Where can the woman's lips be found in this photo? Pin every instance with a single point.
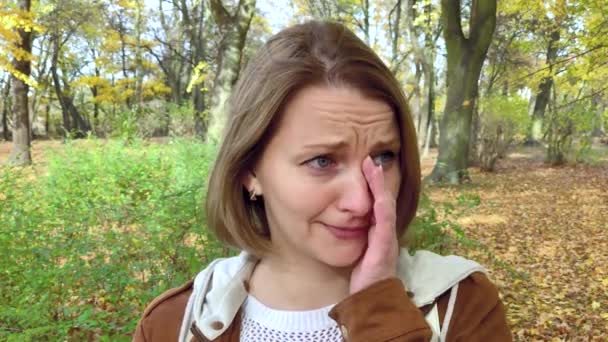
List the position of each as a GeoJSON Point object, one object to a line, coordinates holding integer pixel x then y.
{"type": "Point", "coordinates": [347, 233]}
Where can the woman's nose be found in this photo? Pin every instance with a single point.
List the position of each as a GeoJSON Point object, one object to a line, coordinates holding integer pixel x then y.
{"type": "Point", "coordinates": [356, 196]}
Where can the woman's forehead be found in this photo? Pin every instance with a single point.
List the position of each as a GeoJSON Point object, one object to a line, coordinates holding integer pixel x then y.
{"type": "Point", "coordinates": [329, 115]}
{"type": "Point", "coordinates": [324, 104]}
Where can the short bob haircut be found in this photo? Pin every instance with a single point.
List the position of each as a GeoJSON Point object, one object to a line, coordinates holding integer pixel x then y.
{"type": "Point", "coordinates": [313, 53]}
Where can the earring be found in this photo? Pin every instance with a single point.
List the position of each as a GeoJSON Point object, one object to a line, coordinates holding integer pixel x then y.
{"type": "Point", "coordinates": [252, 195]}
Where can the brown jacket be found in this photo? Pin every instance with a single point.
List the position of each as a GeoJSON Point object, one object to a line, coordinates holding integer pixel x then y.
{"type": "Point", "coordinates": [382, 312]}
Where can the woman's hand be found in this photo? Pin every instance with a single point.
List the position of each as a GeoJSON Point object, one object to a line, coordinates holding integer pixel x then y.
{"type": "Point", "coordinates": [379, 260]}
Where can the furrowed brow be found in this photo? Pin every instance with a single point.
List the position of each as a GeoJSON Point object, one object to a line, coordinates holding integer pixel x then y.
{"type": "Point", "coordinates": [329, 145]}
{"type": "Point", "coordinates": [393, 143]}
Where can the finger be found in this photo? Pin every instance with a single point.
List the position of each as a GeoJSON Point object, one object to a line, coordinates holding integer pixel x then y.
{"type": "Point", "coordinates": [384, 206]}
{"type": "Point", "coordinates": [374, 175]}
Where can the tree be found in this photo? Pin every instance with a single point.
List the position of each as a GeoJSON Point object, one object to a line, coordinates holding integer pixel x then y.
{"type": "Point", "coordinates": [172, 56]}
{"type": "Point", "coordinates": [552, 27]}
{"type": "Point", "coordinates": [64, 23]}
{"type": "Point", "coordinates": [73, 122]}
{"type": "Point", "coordinates": [423, 39]}
{"type": "Point", "coordinates": [361, 16]}
{"type": "Point", "coordinates": [11, 21]}
{"type": "Point", "coordinates": [465, 57]}
{"type": "Point", "coordinates": [541, 99]}
{"type": "Point", "coordinates": [5, 108]}
{"type": "Point", "coordinates": [233, 28]}
{"type": "Point", "coordinates": [507, 56]}
{"type": "Point", "coordinates": [394, 31]}
{"type": "Point", "coordinates": [195, 24]}
{"type": "Point", "coordinates": [20, 152]}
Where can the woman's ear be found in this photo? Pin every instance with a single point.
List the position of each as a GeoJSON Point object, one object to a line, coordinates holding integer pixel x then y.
{"type": "Point", "coordinates": [251, 183]}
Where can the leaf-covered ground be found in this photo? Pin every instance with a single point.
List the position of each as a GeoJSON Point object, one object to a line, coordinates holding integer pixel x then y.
{"type": "Point", "coordinates": [549, 225]}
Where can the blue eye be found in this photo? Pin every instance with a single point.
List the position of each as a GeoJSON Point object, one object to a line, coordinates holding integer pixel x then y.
{"type": "Point", "coordinates": [384, 158]}
{"type": "Point", "coordinates": [320, 162]}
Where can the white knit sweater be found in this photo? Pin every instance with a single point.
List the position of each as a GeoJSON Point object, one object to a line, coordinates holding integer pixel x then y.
{"type": "Point", "coordinates": [263, 324]}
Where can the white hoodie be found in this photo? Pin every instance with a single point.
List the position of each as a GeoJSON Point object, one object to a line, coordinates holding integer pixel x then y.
{"type": "Point", "coordinates": [219, 290]}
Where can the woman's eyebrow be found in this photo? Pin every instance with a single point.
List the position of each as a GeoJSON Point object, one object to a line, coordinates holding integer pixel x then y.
{"type": "Point", "coordinates": [329, 145]}
{"type": "Point", "coordinates": [387, 143]}
{"type": "Point", "coordinates": [393, 143]}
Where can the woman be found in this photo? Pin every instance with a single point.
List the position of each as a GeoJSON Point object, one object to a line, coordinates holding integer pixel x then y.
{"type": "Point", "coordinates": [316, 179]}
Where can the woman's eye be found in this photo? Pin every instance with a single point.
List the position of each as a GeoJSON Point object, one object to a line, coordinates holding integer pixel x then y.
{"type": "Point", "coordinates": [384, 158]}
{"type": "Point", "coordinates": [320, 162]}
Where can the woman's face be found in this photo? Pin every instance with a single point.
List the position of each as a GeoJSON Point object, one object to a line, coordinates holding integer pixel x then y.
{"type": "Point", "coordinates": [317, 199]}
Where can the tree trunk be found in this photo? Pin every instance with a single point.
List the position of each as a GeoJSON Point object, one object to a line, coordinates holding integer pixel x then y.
{"type": "Point", "coordinates": [95, 92]}
{"type": "Point", "coordinates": [172, 61]}
{"type": "Point", "coordinates": [428, 69]}
{"type": "Point", "coordinates": [430, 40]}
{"type": "Point", "coordinates": [139, 69]}
{"type": "Point", "coordinates": [235, 29]}
{"type": "Point", "coordinates": [544, 93]}
{"type": "Point", "coordinates": [465, 60]}
{"type": "Point", "coordinates": [119, 24]}
{"type": "Point", "coordinates": [395, 33]}
{"type": "Point", "coordinates": [416, 97]}
{"type": "Point", "coordinates": [194, 21]}
{"type": "Point", "coordinates": [47, 117]}
{"type": "Point", "coordinates": [72, 120]}
{"type": "Point", "coordinates": [6, 103]}
{"type": "Point", "coordinates": [598, 121]}
{"type": "Point", "coordinates": [20, 152]}
{"type": "Point", "coordinates": [429, 138]}
{"type": "Point", "coordinates": [478, 146]}
{"type": "Point", "coordinates": [365, 5]}
{"type": "Point", "coordinates": [428, 100]}
{"type": "Point", "coordinates": [474, 151]}
{"type": "Point", "coordinates": [67, 127]}
{"type": "Point", "coordinates": [82, 123]}
{"type": "Point", "coordinates": [80, 126]}
{"type": "Point", "coordinates": [200, 119]}
{"type": "Point", "coordinates": [425, 57]}
{"type": "Point", "coordinates": [434, 133]}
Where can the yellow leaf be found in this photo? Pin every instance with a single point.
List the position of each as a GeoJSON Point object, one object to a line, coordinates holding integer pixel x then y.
{"type": "Point", "coordinates": [595, 305]}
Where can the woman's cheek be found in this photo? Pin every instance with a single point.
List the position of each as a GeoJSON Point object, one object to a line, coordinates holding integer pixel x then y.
{"type": "Point", "coordinates": [306, 189]}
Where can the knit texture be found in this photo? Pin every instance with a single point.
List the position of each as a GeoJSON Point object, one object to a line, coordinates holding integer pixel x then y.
{"type": "Point", "coordinates": [263, 324]}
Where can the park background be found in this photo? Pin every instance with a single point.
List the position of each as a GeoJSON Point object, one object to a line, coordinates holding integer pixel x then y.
{"type": "Point", "coordinates": [111, 110]}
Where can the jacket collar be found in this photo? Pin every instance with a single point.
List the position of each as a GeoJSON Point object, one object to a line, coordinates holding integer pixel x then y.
{"type": "Point", "coordinates": [219, 290]}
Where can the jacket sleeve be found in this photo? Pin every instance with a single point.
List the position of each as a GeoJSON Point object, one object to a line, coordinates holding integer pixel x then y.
{"type": "Point", "coordinates": [139, 335]}
{"type": "Point", "coordinates": [162, 318]}
{"type": "Point", "coordinates": [381, 312]}
{"type": "Point", "coordinates": [384, 312]}
{"type": "Point", "coordinates": [479, 314]}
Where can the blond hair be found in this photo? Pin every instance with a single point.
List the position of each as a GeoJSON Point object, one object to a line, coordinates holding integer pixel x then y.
{"type": "Point", "coordinates": [313, 53]}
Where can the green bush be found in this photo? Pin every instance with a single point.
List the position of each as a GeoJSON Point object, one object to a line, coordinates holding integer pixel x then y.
{"type": "Point", "coordinates": [89, 242]}
{"type": "Point", "coordinates": [503, 120]}
{"type": "Point", "coordinates": [435, 227]}
{"type": "Point", "coordinates": [569, 133]}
